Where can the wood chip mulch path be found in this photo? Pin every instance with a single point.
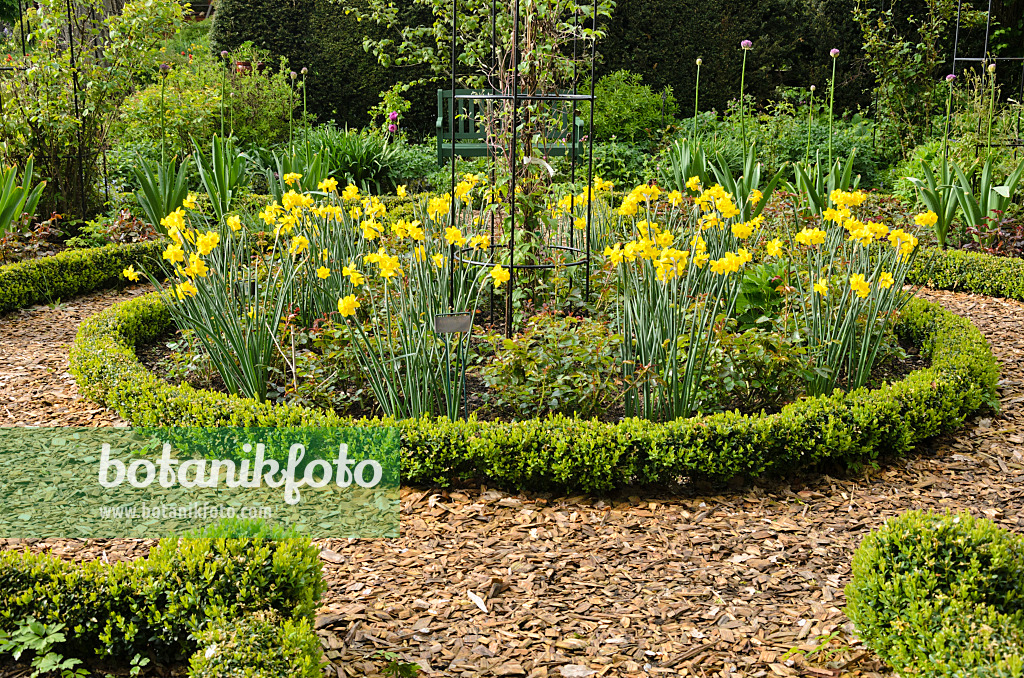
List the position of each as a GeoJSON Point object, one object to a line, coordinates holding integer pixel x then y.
{"type": "Point", "coordinates": [747, 582]}
{"type": "Point", "coordinates": [35, 387]}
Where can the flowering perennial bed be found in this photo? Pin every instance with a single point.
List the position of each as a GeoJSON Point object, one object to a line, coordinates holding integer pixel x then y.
{"type": "Point", "coordinates": [584, 455]}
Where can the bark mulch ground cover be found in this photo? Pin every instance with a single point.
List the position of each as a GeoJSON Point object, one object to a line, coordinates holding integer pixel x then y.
{"type": "Point", "coordinates": [744, 582]}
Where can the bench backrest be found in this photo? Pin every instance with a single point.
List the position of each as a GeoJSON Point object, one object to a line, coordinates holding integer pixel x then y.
{"type": "Point", "coordinates": [470, 115]}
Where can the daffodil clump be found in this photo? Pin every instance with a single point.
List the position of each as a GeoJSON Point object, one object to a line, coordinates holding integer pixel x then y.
{"type": "Point", "coordinates": [333, 254]}
{"type": "Point", "coordinates": [679, 270]}
{"type": "Point", "coordinates": [227, 291]}
{"type": "Point", "coordinates": [849, 274]}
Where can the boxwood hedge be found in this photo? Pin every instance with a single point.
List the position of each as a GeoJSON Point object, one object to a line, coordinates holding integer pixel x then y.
{"type": "Point", "coordinates": [68, 273]}
{"type": "Point", "coordinates": [189, 597]}
{"type": "Point", "coordinates": [565, 453]}
{"type": "Point", "coordinates": [941, 596]}
{"type": "Point", "coordinates": [969, 272]}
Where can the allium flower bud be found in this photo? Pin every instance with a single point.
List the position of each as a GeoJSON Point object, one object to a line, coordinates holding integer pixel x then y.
{"type": "Point", "coordinates": [304, 70]}
{"type": "Point", "coordinates": [950, 78]}
{"type": "Point", "coordinates": [833, 52]}
{"type": "Point", "coordinates": [699, 61]}
{"type": "Point", "coordinates": [294, 75]}
{"type": "Point", "coordinates": [813, 88]}
{"type": "Point", "coordinates": [991, 68]}
{"type": "Point", "coordinates": [223, 54]}
{"type": "Point", "coordinates": [165, 68]}
{"type": "Point", "coordinates": [746, 44]}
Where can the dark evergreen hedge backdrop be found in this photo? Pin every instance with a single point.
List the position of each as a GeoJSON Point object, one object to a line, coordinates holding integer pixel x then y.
{"type": "Point", "coordinates": [660, 39]}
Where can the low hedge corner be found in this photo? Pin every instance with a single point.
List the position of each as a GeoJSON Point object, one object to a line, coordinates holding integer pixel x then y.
{"type": "Point", "coordinates": [244, 606]}
{"type": "Point", "coordinates": [71, 272]}
{"type": "Point", "coordinates": [941, 596]}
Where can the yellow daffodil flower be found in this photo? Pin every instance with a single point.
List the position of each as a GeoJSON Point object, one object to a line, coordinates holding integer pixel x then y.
{"type": "Point", "coordinates": [500, 275]}
{"type": "Point", "coordinates": [347, 306]}
{"type": "Point", "coordinates": [859, 285]}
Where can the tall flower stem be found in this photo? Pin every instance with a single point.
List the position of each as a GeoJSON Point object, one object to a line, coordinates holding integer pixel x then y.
{"type": "Point", "coordinates": [991, 104]}
{"type": "Point", "coordinates": [831, 101]}
{"type": "Point", "coordinates": [743, 74]}
{"type": "Point", "coordinates": [696, 100]}
{"type": "Point", "coordinates": [810, 120]}
{"type": "Point", "coordinates": [223, 96]}
{"type": "Point", "coordinates": [163, 128]}
{"type": "Point", "coordinates": [949, 110]}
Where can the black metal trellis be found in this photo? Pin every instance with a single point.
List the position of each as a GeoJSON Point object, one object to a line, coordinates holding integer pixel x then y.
{"type": "Point", "coordinates": [985, 59]}
{"type": "Point", "coordinates": [580, 256]}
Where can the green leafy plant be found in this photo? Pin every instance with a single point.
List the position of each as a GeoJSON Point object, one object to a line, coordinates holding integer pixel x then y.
{"type": "Point", "coordinates": [39, 639]}
{"type": "Point", "coordinates": [396, 668]}
{"type": "Point", "coordinates": [17, 197]}
{"type": "Point", "coordinates": [222, 174]}
{"type": "Point", "coordinates": [628, 109]}
{"type": "Point", "coordinates": [163, 187]}
{"type": "Point", "coordinates": [977, 205]}
{"type": "Point", "coordinates": [556, 364]}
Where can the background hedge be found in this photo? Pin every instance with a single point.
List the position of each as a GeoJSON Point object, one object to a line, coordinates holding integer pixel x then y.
{"type": "Point", "coordinates": [69, 273]}
{"type": "Point", "coordinates": [969, 272]}
{"type": "Point", "coordinates": [659, 39]}
{"type": "Point", "coordinates": [941, 596]}
{"type": "Point", "coordinates": [563, 453]}
{"type": "Point", "coordinates": [344, 81]}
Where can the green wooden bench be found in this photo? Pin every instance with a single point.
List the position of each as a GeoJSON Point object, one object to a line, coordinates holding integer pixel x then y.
{"type": "Point", "coordinates": [471, 133]}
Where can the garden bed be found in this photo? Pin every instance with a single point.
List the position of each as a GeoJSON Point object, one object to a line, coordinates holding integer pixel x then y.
{"type": "Point", "coordinates": [580, 455]}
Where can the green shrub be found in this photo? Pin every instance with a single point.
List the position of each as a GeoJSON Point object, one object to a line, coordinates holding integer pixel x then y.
{"type": "Point", "coordinates": [155, 606]}
{"type": "Point", "coordinates": [941, 596]}
{"type": "Point", "coordinates": [557, 364]}
{"type": "Point", "coordinates": [975, 272]}
{"type": "Point", "coordinates": [624, 164]}
{"type": "Point", "coordinates": [260, 645]}
{"type": "Point", "coordinates": [565, 453]}
{"type": "Point", "coordinates": [243, 528]}
{"type": "Point", "coordinates": [628, 109]}
{"type": "Point", "coordinates": [69, 273]}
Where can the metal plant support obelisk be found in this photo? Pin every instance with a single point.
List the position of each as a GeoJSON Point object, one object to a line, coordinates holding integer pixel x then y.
{"type": "Point", "coordinates": [510, 92]}
{"type": "Point", "coordinates": [983, 60]}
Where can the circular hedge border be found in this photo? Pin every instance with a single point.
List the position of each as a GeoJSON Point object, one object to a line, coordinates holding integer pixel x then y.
{"type": "Point", "coordinates": [570, 454]}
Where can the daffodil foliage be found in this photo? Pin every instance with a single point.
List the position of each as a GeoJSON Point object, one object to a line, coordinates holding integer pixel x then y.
{"type": "Point", "coordinates": [674, 262]}
{"type": "Point", "coordinates": [680, 270]}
